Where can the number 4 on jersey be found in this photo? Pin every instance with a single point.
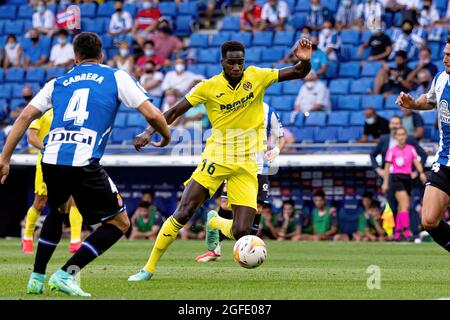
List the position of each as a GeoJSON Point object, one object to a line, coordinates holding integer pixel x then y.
{"type": "Point", "coordinates": [77, 107]}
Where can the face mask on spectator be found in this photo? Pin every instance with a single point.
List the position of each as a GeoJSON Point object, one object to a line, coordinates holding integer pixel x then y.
{"type": "Point", "coordinates": [11, 45]}
{"type": "Point", "coordinates": [407, 29]}
{"type": "Point", "coordinates": [309, 84]}
{"type": "Point", "coordinates": [35, 38]}
{"type": "Point", "coordinates": [370, 121]}
{"type": "Point", "coordinates": [326, 32]}
{"type": "Point", "coordinates": [165, 30]}
{"type": "Point", "coordinates": [119, 10]}
{"type": "Point", "coordinates": [179, 67]}
{"type": "Point", "coordinates": [315, 8]}
{"type": "Point", "coordinates": [27, 98]}
{"type": "Point", "coordinates": [149, 52]}
{"type": "Point", "coordinates": [124, 52]}
{"type": "Point", "coordinates": [149, 70]}
{"type": "Point", "coordinates": [40, 9]}
{"type": "Point", "coordinates": [62, 40]}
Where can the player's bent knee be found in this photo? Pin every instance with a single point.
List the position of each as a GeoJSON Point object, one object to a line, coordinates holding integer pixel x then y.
{"type": "Point", "coordinates": [184, 212]}
{"type": "Point", "coordinates": [429, 222]}
{"type": "Point", "coordinates": [40, 202]}
{"type": "Point", "coordinates": [121, 221]}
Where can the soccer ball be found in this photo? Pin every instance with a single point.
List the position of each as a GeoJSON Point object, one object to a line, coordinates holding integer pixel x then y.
{"type": "Point", "coordinates": [249, 251]}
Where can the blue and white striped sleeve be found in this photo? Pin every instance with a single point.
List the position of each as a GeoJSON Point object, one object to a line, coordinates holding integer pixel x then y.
{"type": "Point", "coordinates": [130, 91]}
{"type": "Point", "coordinates": [43, 100]}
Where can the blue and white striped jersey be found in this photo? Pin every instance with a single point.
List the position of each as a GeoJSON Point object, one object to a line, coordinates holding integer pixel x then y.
{"type": "Point", "coordinates": [85, 102]}
{"type": "Point", "coordinates": [439, 95]}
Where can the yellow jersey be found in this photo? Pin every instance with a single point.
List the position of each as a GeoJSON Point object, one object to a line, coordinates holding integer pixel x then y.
{"type": "Point", "coordinates": [43, 124]}
{"type": "Point", "coordinates": [236, 114]}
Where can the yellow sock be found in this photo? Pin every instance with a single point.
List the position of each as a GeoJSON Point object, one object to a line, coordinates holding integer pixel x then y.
{"type": "Point", "coordinates": [32, 217]}
{"type": "Point", "coordinates": [76, 221]}
{"type": "Point", "coordinates": [166, 236]}
{"type": "Point", "coordinates": [224, 225]}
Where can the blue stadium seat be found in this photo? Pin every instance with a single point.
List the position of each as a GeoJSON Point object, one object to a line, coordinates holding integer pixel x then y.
{"type": "Point", "coordinates": [253, 55]}
{"type": "Point", "coordinates": [16, 103]}
{"type": "Point", "coordinates": [219, 38]}
{"type": "Point", "coordinates": [429, 117]}
{"type": "Point", "coordinates": [285, 118]}
{"type": "Point", "coordinates": [107, 41]}
{"type": "Point", "coordinates": [375, 101]}
{"type": "Point", "coordinates": [243, 37]}
{"type": "Point", "coordinates": [131, 8]}
{"type": "Point", "coordinates": [198, 40]}
{"type": "Point", "coordinates": [92, 25]}
{"type": "Point", "coordinates": [3, 116]}
{"type": "Point", "coordinates": [121, 120]}
{"type": "Point", "coordinates": [213, 70]}
{"type": "Point", "coordinates": [262, 39]}
{"type": "Point", "coordinates": [292, 87]}
{"type": "Point", "coordinates": [390, 102]}
{"type": "Point", "coordinates": [302, 6]}
{"type": "Point", "coordinates": [5, 91]}
{"type": "Point", "coordinates": [282, 103]}
{"type": "Point", "coordinates": [435, 48]}
{"type": "Point", "coordinates": [330, 4]}
{"type": "Point", "coordinates": [387, 114]}
{"type": "Point", "coordinates": [25, 12]}
{"type": "Point", "coordinates": [299, 20]}
{"type": "Point", "coordinates": [357, 119]}
{"type": "Point", "coordinates": [361, 86]}
{"type": "Point", "coordinates": [274, 89]}
{"type": "Point", "coordinates": [339, 86]}
{"type": "Point", "coordinates": [431, 133]}
{"type": "Point", "coordinates": [188, 9]}
{"type": "Point", "coordinates": [332, 70]}
{"type": "Point", "coordinates": [350, 36]}
{"type": "Point", "coordinates": [183, 26]}
{"type": "Point", "coordinates": [284, 38]}
{"type": "Point", "coordinates": [231, 23]}
{"type": "Point", "coordinates": [87, 10]}
{"type": "Point", "coordinates": [210, 56]}
{"type": "Point", "coordinates": [168, 9]}
{"type": "Point", "coordinates": [197, 68]}
{"type": "Point", "coordinates": [365, 36]}
{"type": "Point", "coordinates": [121, 136]}
{"type": "Point", "coordinates": [325, 134]}
{"type": "Point", "coordinates": [106, 9]}
{"type": "Point", "coordinates": [349, 102]}
{"type": "Point", "coordinates": [16, 90]}
{"type": "Point", "coordinates": [303, 134]}
{"type": "Point", "coordinates": [35, 75]}
{"type": "Point", "coordinates": [2, 75]}
{"type": "Point", "coordinates": [136, 120]}
{"type": "Point", "coordinates": [8, 12]}
{"type": "Point", "coordinates": [13, 27]}
{"type": "Point", "coordinates": [338, 118]}
{"type": "Point", "coordinates": [272, 54]}
{"type": "Point", "coordinates": [370, 69]}
{"type": "Point", "coordinates": [316, 118]}
{"type": "Point", "coordinates": [15, 75]}
{"type": "Point", "coordinates": [347, 134]}
{"type": "Point", "coordinates": [299, 119]}
{"type": "Point", "coordinates": [441, 4]}
{"type": "Point", "coordinates": [349, 70]}
{"type": "Point", "coordinates": [354, 54]}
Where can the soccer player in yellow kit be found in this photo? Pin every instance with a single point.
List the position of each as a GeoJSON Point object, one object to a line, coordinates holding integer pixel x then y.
{"type": "Point", "coordinates": [39, 128]}
{"type": "Point", "coordinates": [234, 103]}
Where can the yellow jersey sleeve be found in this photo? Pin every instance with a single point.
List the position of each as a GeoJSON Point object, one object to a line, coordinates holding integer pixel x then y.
{"type": "Point", "coordinates": [267, 76]}
{"type": "Point", "coordinates": [197, 95]}
{"type": "Point", "coordinates": [36, 124]}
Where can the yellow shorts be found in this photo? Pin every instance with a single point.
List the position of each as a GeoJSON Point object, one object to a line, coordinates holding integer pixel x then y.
{"type": "Point", "coordinates": [40, 188]}
{"type": "Point", "coordinates": [242, 182]}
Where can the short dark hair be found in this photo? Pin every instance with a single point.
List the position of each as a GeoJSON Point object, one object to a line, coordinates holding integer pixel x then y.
{"type": "Point", "coordinates": [62, 32]}
{"type": "Point", "coordinates": [448, 39]}
{"type": "Point", "coordinates": [402, 53]}
{"type": "Point", "coordinates": [368, 194]}
{"type": "Point", "coordinates": [398, 117]}
{"type": "Point", "coordinates": [267, 206]}
{"type": "Point", "coordinates": [426, 49]}
{"type": "Point", "coordinates": [150, 191]}
{"type": "Point", "coordinates": [319, 193]}
{"type": "Point", "coordinates": [144, 204]}
{"type": "Point", "coordinates": [375, 205]}
{"type": "Point", "coordinates": [11, 36]}
{"type": "Point", "coordinates": [401, 128]}
{"type": "Point", "coordinates": [87, 45]}
{"type": "Point", "coordinates": [149, 42]}
{"type": "Point", "coordinates": [289, 201]}
{"type": "Point", "coordinates": [232, 46]}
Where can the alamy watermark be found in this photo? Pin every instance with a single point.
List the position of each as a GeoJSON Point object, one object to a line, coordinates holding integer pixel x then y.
{"type": "Point", "coordinates": [374, 279]}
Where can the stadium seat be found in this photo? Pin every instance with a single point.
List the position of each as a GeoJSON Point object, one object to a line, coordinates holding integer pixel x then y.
{"type": "Point", "coordinates": [390, 102]}
{"type": "Point", "coordinates": [107, 41]}
{"type": "Point", "coordinates": [349, 102]}
{"type": "Point", "coordinates": [35, 75]}
{"type": "Point", "coordinates": [213, 70]}
{"type": "Point", "coordinates": [25, 12]}
{"type": "Point", "coordinates": [105, 9]}
{"type": "Point", "coordinates": [429, 117]}
{"type": "Point", "coordinates": [8, 12]}
{"type": "Point", "coordinates": [188, 9]}
{"type": "Point", "coordinates": [231, 23]}
{"type": "Point", "coordinates": [357, 119]}
{"type": "Point", "coordinates": [350, 36]}
{"type": "Point", "coordinates": [274, 89]}
{"type": "Point", "coordinates": [87, 10]}
{"type": "Point", "coordinates": [281, 103]}
{"type": "Point", "coordinates": [262, 39]}
{"type": "Point", "coordinates": [243, 37]}
{"type": "Point", "coordinates": [338, 118]}
{"type": "Point", "coordinates": [375, 101]}
{"type": "Point", "coordinates": [2, 75]}
{"type": "Point", "coordinates": [302, 6]}
{"type": "Point", "coordinates": [198, 40]}
{"type": "Point", "coordinates": [339, 86]}
{"type": "Point", "coordinates": [121, 120]}
{"type": "Point", "coordinates": [365, 36]}
{"type": "Point", "coordinates": [331, 4]}
{"type": "Point", "coordinates": [92, 25]}
{"type": "Point", "coordinates": [13, 27]}
{"type": "Point", "coordinates": [168, 9]}
{"type": "Point", "coordinates": [332, 70]}
{"type": "Point", "coordinates": [272, 54]}
{"type": "Point", "coordinates": [361, 86]}
{"type": "Point", "coordinates": [436, 51]}
{"type": "Point", "coordinates": [349, 70]}
{"type": "Point", "coordinates": [183, 26]}
{"type": "Point", "coordinates": [197, 68]}
{"type": "Point", "coordinates": [5, 91]}
{"type": "Point", "coordinates": [316, 118]}
{"type": "Point", "coordinates": [16, 90]}
{"type": "Point", "coordinates": [325, 134]}
{"type": "Point", "coordinates": [15, 75]}
{"type": "Point", "coordinates": [131, 8]}
{"type": "Point", "coordinates": [136, 120]}
{"type": "Point", "coordinates": [441, 4]}
{"type": "Point", "coordinates": [284, 38]}
{"type": "Point", "coordinates": [299, 20]}
{"type": "Point", "coordinates": [209, 56]}
{"type": "Point", "coordinates": [299, 119]}
{"type": "Point", "coordinates": [16, 103]}
{"type": "Point", "coordinates": [219, 38]}
{"type": "Point", "coordinates": [292, 87]}
{"type": "Point", "coordinates": [303, 134]}
{"type": "Point", "coordinates": [121, 136]}
{"type": "Point", "coordinates": [285, 118]}
{"type": "Point", "coordinates": [348, 134]}
{"type": "Point", "coordinates": [370, 69]}
{"type": "Point", "coordinates": [387, 114]}
{"type": "Point", "coordinates": [253, 55]}
{"type": "Point", "coordinates": [354, 54]}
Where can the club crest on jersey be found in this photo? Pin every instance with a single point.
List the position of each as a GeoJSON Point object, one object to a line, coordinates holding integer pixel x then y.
{"type": "Point", "coordinates": [119, 200]}
{"type": "Point", "coordinates": [444, 113]}
{"type": "Point", "coordinates": [436, 167]}
{"type": "Point", "coordinates": [247, 86]}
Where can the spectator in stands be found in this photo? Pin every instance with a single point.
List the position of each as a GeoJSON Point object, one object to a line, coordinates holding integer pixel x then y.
{"type": "Point", "coordinates": [413, 123]}
{"type": "Point", "coordinates": [27, 94]}
{"type": "Point", "coordinates": [124, 60]}
{"type": "Point", "coordinates": [152, 79]}
{"type": "Point", "coordinates": [13, 55]}
{"type": "Point", "coordinates": [380, 45]}
{"type": "Point", "coordinates": [370, 14]}
{"type": "Point", "coordinates": [388, 140]}
{"type": "Point", "coordinates": [180, 79]}
{"type": "Point", "coordinates": [393, 80]}
{"type": "Point", "coordinates": [369, 221]}
{"type": "Point", "coordinates": [406, 40]}
{"type": "Point", "coordinates": [317, 15]}
{"type": "Point", "coordinates": [165, 43]}
{"type": "Point", "coordinates": [35, 54]}
{"type": "Point", "coordinates": [62, 54]}
{"type": "Point", "coordinates": [146, 21]}
{"type": "Point", "coordinates": [329, 41]}
{"type": "Point", "coordinates": [324, 218]}
{"type": "Point", "coordinates": [407, 8]}
{"type": "Point", "coordinates": [346, 15]}
{"type": "Point", "coordinates": [424, 63]}
{"type": "Point", "coordinates": [146, 222]}
{"type": "Point", "coordinates": [422, 83]}
{"type": "Point", "coordinates": [121, 21]}
{"type": "Point", "coordinates": [251, 16]}
{"type": "Point", "coordinates": [209, 7]}
{"type": "Point", "coordinates": [267, 227]}
{"type": "Point", "coordinates": [374, 126]}
{"type": "Point", "coordinates": [313, 96]}
{"type": "Point", "coordinates": [274, 15]}
{"type": "Point", "coordinates": [429, 15]}
{"type": "Point", "coordinates": [43, 19]}
{"type": "Point", "coordinates": [150, 55]}
{"type": "Point", "coordinates": [289, 222]}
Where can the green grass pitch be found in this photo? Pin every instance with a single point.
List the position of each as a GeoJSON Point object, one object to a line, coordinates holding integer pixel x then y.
{"type": "Point", "coordinates": [293, 270]}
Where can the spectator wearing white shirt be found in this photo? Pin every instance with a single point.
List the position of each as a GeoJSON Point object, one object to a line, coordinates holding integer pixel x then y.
{"type": "Point", "coordinates": [274, 15]}
{"type": "Point", "coordinates": [13, 53]}
{"type": "Point", "coordinates": [43, 19]}
{"type": "Point", "coordinates": [370, 14]}
{"type": "Point", "coordinates": [124, 60]}
{"type": "Point", "coordinates": [429, 15]}
{"type": "Point", "coordinates": [409, 9]}
{"type": "Point", "coordinates": [405, 39]}
{"type": "Point", "coordinates": [313, 96]}
{"type": "Point", "coordinates": [180, 79]}
{"type": "Point", "coordinates": [121, 21]}
{"type": "Point", "coordinates": [346, 15]}
{"type": "Point", "coordinates": [152, 79]}
{"type": "Point", "coordinates": [329, 41]}
{"type": "Point", "coordinates": [62, 54]}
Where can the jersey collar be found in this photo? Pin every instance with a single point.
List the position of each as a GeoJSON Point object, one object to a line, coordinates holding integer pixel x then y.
{"type": "Point", "coordinates": [225, 81]}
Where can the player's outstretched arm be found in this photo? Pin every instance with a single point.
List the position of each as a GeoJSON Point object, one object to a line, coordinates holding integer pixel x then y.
{"type": "Point", "coordinates": [157, 121]}
{"type": "Point", "coordinates": [303, 67]}
{"type": "Point", "coordinates": [18, 129]}
{"type": "Point", "coordinates": [405, 100]}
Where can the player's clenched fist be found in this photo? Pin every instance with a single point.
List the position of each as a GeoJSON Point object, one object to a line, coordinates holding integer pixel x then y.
{"type": "Point", "coordinates": [4, 170]}
{"type": "Point", "coordinates": [405, 100]}
{"type": "Point", "coordinates": [142, 140]}
{"type": "Point", "coordinates": [304, 49]}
